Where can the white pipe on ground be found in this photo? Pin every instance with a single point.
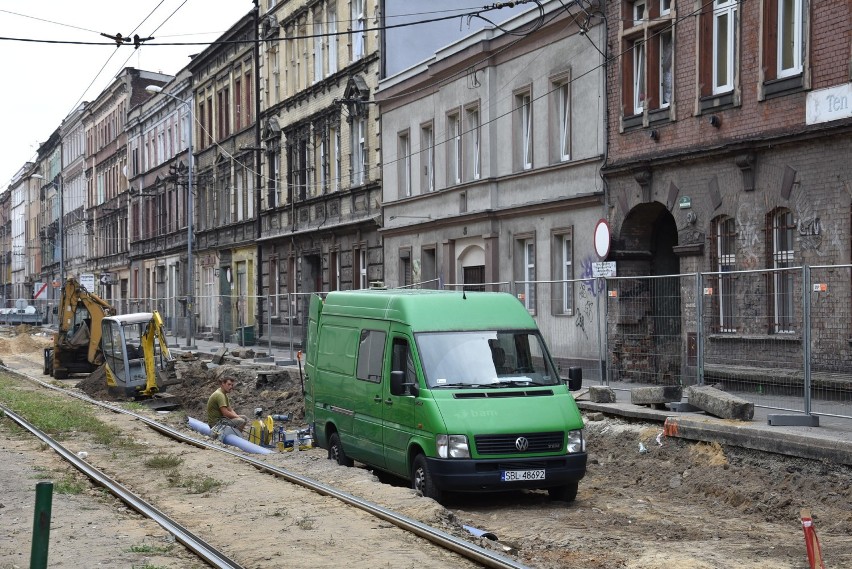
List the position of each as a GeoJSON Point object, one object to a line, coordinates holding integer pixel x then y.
{"type": "Point", "coordinates": [232, 440]}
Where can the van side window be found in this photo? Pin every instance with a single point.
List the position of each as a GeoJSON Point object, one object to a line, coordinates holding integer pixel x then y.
{"type": "Point", "coordinates": [401, 360]}
{"type": "Point", "coordinates": [371, 353]}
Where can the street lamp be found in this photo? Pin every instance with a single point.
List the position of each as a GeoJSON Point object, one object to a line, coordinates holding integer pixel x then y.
{"type": "Point", "coordinates": [189, 208]}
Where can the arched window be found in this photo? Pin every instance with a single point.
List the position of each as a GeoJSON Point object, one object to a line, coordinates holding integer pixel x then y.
{"type": "Point", "coordinates": [725, 260]}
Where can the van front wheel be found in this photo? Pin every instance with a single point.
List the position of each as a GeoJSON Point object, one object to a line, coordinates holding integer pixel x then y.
{"type": "Point", "coordinates": [336, 452]}
{"type": "Point", "coordinates": [567, 493]}
{"type": "Point", "coordinates": [421, 479]}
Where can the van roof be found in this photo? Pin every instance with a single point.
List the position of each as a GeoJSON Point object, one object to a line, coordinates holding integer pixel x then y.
{"type": "Point", "coordinates": [432, 310]}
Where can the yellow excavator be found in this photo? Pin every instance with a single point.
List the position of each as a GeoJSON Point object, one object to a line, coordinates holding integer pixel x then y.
{"type": "Point", "coordinates": [77, 344]}
{"type": "Point", "coordinates": [131, 348]}
{"type": "Point", "coordinates": [137, 361]}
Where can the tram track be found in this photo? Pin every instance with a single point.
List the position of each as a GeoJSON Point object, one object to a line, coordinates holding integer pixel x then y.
{"type": "Point", "coordinates": [205, 551]}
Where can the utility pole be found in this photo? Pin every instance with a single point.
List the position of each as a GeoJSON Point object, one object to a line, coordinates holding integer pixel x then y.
{"type": "Point", "coordinates": [258, 182]}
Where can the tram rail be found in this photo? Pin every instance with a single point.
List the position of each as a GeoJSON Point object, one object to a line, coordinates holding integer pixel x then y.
{"type": "Point", "coordinates": [205, 551]}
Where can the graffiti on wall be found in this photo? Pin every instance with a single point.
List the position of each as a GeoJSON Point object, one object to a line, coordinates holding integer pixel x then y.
{"type": "Point", "coordinates": [590, 289]}
{"type": "Point", "coordinates": [749, 229]}
{"type": "Point", "coordinates": [808, 224]}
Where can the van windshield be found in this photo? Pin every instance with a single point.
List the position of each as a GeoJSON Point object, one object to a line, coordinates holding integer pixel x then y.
{"type": "Point", "coordinates": [489, 359]}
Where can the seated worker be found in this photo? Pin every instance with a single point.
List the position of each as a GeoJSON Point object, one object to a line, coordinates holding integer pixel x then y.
{"type": "Point", "coordinates": [221, 417]}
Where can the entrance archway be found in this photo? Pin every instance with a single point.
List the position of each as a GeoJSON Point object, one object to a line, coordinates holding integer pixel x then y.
{"type": "Point", "coordinates": [646, 340]}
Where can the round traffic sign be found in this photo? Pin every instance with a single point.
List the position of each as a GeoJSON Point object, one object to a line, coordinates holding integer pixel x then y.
{"type": "Point", "coordinates": [602, 238]}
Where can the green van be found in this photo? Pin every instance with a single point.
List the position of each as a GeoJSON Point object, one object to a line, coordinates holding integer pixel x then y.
{"type": "Point", "coordinates": [454, 391]}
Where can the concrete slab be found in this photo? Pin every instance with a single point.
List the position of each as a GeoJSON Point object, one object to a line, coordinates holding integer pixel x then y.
{"type": "Point", "coordinates": [601, 394]}
{"type": "Point", "coordinates": [719, 403]}
{"type": "Point", "coordinates": [655, 394]}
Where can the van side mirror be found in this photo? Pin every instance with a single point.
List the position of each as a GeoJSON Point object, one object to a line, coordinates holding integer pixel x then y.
{"type": "Point", "coordinates": [398, 385]}
{"type": "Point", "coordinates": [575, 378]}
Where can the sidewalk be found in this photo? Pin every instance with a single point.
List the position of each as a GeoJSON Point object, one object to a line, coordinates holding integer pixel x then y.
{"type": "Point", "coordinates": [830, 441]}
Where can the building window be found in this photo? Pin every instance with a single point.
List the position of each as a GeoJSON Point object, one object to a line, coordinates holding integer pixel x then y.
{"type": "Point", "coordinates": [318, 51]}
{"type": "Point", "coordinates": [473, 153]}
{"type": "Point", "coordinates": [427, 157]}
{"type": "Point", "coordinates": [454, 148]}
{"type": "Point", "coordinates": [274, 298]}
{"type": "Point", "coordinates": [332, 38]}
{"type": "Point", "coordinates": [273, 159]}
{"type": "Point", "coordinates": [638, 77]}
{"type": "Point", "coordinates": [334, 140]}
{"type": "Point", "coordinates": [563, 271]}
{"type": "Point", "coordinates": [665, 7]}
{"type": "Point", "coordinates": [783, 235]}
{"type": "Point", "coordinates": [524, 270]}
{"type": "Point", "coordinates": [563, 116]}
{"type": "Point", "coordinates": [404, 165]}
{"type": "Point", "coordinates": [785, 39]}
{"type": "Point", "coordinates": [405, 279]}
{"type": "Point", "coordinates": [726, 261]}
{"type": "Point", "coordinates": [334, 270]}
{"type": "Point", "coordinates": [359, 151]}
{"type": "Point", "coordinates": [523, 132]}
{"type": "Point", "coordinates": [361, 268]}
{"type": "Point", "coordinates": [359, 24]}
{"type": "Point", "coordinates": [724, 44]}
{"type": "Point", "coordinates": [639, 12]}
{"type": "Point", "coordinates": [790, 37]}
{"type": "Point", "coordinates": [666, 77]}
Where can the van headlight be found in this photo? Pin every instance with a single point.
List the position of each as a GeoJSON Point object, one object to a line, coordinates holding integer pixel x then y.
{"type": "Point", "coordinates": [576, 443]}
{"type": "Point", "coordinates": [452, 446]}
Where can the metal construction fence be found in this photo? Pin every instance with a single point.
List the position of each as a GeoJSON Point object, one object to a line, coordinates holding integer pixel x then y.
{"type": "Point", "coordinates": [780, 338]}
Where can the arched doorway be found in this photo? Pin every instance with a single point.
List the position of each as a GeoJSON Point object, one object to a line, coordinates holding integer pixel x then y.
{"type": "Point", "coordinates": [645, 340]}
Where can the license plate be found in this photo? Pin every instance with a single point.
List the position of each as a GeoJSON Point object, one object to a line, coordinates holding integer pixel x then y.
{"type": "Point", "coordinates": [518, 475]}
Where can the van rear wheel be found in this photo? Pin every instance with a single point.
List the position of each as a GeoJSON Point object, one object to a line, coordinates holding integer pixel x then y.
{"type": "Point", "coordinates": [566, 493]}
{"type": "Point", "coordinates": [422, 481]}
{"type": "Point", "coordinates": [336, 452]}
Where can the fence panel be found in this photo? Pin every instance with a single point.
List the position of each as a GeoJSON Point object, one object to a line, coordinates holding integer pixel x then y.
{"type": "Point", "coordinates": [651, 330]}
{"type": "Point", "coordinates": [568, 314]}
{"type": "Point", "coordinates": [753, 329]}
{"type": "Point", "coordinates": [830, 354]}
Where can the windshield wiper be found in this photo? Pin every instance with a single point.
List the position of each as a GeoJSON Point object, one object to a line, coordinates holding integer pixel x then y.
{"type": "Point", "coordinates": [467, 385]}
{"type": "Point", "coordinates": [518, 383]}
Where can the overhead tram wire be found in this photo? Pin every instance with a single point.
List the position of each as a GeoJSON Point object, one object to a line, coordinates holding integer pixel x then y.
{"type": "Point", "coordinates": [475, 14]}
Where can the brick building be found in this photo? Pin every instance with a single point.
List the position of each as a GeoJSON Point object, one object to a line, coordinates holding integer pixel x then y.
{"type": "Point", "coordinates": [730, 131]}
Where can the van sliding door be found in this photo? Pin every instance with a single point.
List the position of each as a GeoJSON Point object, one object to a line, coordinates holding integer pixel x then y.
{"type": "Point", "coordinates": [367, 398]}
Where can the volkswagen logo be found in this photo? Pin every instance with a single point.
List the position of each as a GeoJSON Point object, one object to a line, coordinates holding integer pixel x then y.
{"type": "Point", "coordinates": [522, 444]}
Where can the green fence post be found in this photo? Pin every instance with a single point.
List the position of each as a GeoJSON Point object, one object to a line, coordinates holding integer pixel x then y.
{"type": "Point", "coordinates": [41, 525]}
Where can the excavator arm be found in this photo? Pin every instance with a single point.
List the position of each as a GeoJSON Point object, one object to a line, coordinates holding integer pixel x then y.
{"type": "Point", "coordinates": [153, 333]}
{"type": "Point", "coordinates": [77, 343]}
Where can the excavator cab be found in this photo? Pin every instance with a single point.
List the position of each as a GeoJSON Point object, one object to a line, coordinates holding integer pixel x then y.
{"type": "Point", "coordinates": [136, 356]}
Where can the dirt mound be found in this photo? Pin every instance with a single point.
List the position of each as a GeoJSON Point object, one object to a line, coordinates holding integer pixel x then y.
{"type": "Point", "coordinates": [274, 390]}
{"type": "Point", "coordinates": [24, 343]}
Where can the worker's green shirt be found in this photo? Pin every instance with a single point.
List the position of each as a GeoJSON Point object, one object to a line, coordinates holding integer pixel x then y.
{"type": "Point", "coordinates": [217, 400]}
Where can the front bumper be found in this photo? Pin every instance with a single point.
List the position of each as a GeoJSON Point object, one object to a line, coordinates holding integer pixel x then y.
{"type": "Point", "coordinates": [484, 475]}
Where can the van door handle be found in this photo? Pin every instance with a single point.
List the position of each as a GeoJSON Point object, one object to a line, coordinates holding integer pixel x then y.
{"type": "Point", "coordinates": [388, 401]}
{"type": "Point", "coordinates": [377, 398]}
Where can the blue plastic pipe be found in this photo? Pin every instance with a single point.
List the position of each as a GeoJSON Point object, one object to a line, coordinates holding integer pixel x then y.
{"type": "Point", "coordinates": [232, 440]}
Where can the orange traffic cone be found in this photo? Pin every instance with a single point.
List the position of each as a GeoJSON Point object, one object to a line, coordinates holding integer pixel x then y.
{"type": "Point", "coordinates": [811, 541]}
